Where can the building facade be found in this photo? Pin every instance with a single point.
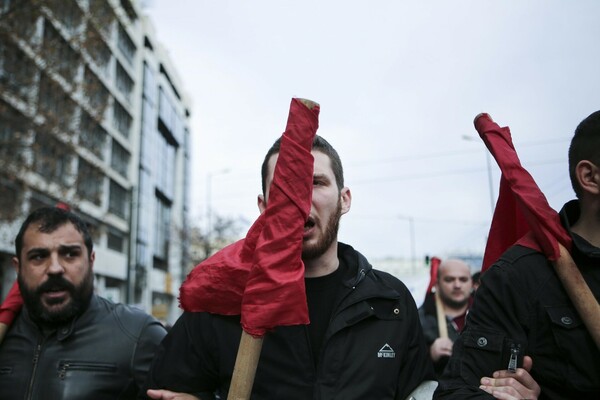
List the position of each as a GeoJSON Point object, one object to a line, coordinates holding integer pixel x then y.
{"type": "Point", "coordinates": [93, 114]}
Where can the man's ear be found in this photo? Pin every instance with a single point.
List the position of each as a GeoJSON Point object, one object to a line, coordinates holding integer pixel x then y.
{"type": "Point", "coordinates": [346, 199]}
{"type": "Point", "coordinates": [262, 204]}
{"type": "Point", "coordinates": [92, 259]}
{"type": "Point", "coordinates": [15, 263]}
{"type": "Point", "coordinates": [588, 176]}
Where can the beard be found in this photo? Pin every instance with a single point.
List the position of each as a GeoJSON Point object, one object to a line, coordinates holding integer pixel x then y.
{"type": "Point", "coordinates": [80, 297]}
{"type": "Point", "coordinates": [310, 252]}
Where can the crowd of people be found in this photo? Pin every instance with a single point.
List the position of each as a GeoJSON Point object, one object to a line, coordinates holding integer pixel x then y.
{"type": "Point", "coordinates": [520, 336]}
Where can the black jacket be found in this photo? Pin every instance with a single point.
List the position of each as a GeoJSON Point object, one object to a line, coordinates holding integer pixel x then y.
{"type": "Point", "coordinates": [429, 323]}
{"type": "Point", "coordinates": [522, 304]}
{"type": "Point", "coordinates": [373, 348]}
{"type": "Point", "coordinates": [103, 354]}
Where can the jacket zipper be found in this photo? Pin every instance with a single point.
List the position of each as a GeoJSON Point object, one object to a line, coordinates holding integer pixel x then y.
{"type": "Point", "coordinates": [65, 366]}
{"type": "Point", "coordinates": [36, 358]}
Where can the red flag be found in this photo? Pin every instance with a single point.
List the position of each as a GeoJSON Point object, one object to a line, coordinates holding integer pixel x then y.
{"type": "Point", "coordinates": [521, 206]}
{"type": "Point", "coordinates": [433, 273]}
{"type": "Point", "coordinates": [11, 306]}
{"type": "Point", "coordinates": [261, 277]}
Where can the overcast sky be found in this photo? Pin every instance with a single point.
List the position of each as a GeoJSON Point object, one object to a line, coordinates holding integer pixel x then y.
{"type": "Point", "coordinates": [399, 83]}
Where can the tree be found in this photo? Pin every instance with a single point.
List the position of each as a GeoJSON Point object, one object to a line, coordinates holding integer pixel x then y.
{"type": "Point", "coordinates": [225, 230]}
{"type": "Point", "coordinates": [53, 100]}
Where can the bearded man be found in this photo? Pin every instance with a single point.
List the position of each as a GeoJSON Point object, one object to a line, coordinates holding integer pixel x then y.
{"type": "Point", "coordinates": [454, 287]}
{"type": "Point", "coordinates": [364, 340]}
{"type": "Point", "coordinates": [68, 343]}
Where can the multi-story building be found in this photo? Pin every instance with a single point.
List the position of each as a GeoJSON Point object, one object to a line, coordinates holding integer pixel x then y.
{"type": "Point", "coordinates": [93, 114]}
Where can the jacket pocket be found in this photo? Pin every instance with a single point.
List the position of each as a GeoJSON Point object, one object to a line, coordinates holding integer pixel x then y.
{"type": "Point", "coordinates": [485, 352]}
{"type": "Point", "coordinates": [578, 355]}
{"type": "Point", "coordinates": [5, 370]}
{"type": "Point", "coordinates": [67, 366]}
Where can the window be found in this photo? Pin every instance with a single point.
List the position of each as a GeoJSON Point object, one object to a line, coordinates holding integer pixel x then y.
{"type": "Point", "coordinates": [22, 21]}
{"type": "Point", "coordinates": [67, 12]}
{"type": "Point", "coordinates": [96, 93]}
{"type": "Point", "coordinates": [97, 49]}
{"type": "Point", "coordinates": [166, 110]}
{"type": "Point", "coordinates": [118, 199]}
{"type": "Point", "coordinates": [10, 201]}
{"type": "Point", "coordinates": [16, 69]}
{"type": "Point", "coordinates": [126, 45]}
{"type": "Point", "coordinates": [58, 53]}
{"type": "Point", "coordinates": [149, 84]}
{"type": "Point", "coordinates": [116, 241]}
{"type": "Point", "coordinates": [102, 15]}
{"type": "Point", "coordinates": [56, 106]}
{"type": "Point", "coordinates": [121, 119]}
{"type": "Point", "coordinates": [13, 130]}
{"type": "Point", "coordinates": [124, 82]}
{"type": "Point", "coordinates": [119, 159]}
{"type": "Point", "coordinates": [90, 182]}
{"type": "Point", "coordinates": [51, 158]}
{"type": "Point", "coordinates": [162, 234]}
{"type": "Point", "coordinates": [165, 174]}
{"type": "Point", "coordinates": [92, 136]}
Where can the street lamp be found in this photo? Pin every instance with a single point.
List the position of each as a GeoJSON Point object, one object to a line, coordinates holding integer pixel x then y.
{"type": "Point", "coordinates": [411, 230]}
{"type": "Point", "coordinates": [488, 160]}
{"type": "Point", "coordinates": [209, 177]}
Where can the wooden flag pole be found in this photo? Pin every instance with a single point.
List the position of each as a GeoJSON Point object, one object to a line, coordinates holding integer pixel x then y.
{"type": "Point", "coordinates": [579, 292]}
{"type": "Point", "coordinates": [441, 315]}
{"type": "Point", "coordinates": [245, 367]}
{"type": "Point", "coordinates": [250, 347]}
{"type": "Point", "coordinates": [3, 330]}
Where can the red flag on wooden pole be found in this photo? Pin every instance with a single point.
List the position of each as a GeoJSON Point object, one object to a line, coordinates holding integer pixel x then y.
{"type": "Point", "coordinates": [521, 207]}
{"type": "Point", "coordinates": [521, 196]}
{"type": "Point", "coordinates": [261, 277]}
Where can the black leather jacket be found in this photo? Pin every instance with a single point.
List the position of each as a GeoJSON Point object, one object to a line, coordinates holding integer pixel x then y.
{"type": "Point", "coordinates": [522, 305]}
{"type": "Point", "coordinates": [373, 347]}
{"type": "Point", "coordinates": [103, 354]}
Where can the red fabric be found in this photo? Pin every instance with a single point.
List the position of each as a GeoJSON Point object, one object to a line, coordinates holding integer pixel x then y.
{"type": "Point", "coordinates": [11, 306]}
{"type": "Point", "coordinates": [261, 277]}
{"type": "Point", "coordinates": [433, 271]}
{"type": "Point", "coordinates": [521, 206]}
{"type": "Point", "coordinates": [63, 206]}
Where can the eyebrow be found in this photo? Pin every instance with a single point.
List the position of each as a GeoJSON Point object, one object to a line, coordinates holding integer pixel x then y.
{"type": "Point", "coordinates": [62, 248]}
{"type": "Point", "coordinates": [321, 176]}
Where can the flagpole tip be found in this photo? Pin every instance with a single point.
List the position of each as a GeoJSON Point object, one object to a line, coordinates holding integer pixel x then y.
{"type": "Point", "coordinates": [482, 115]}
{"type": "Point", "coordinates": [308, 103]}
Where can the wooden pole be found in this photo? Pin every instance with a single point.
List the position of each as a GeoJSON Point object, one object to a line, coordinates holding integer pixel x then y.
{"type": "Point", "coordinates": [245, 367]}
{"type": "Point", "coordinates": [3, 330]}
{"type": "Point", "coordinates": [441, 315]}
{"type": "Point", "coordinates": [579, 292]}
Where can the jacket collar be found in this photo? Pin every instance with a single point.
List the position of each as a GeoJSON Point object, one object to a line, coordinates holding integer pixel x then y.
{"type": "Point", "coordinates": [569, 214]}
{"type": "Point", "coordinates": [66, 330]}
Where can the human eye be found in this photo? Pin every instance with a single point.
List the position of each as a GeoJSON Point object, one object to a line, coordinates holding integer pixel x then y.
{"type": "Point", "coordinates": [71, 252]}
{"type": "Point", "coordinates": [36, 256]}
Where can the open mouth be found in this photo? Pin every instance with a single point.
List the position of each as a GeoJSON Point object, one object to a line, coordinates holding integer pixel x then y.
{"type": "Point", "coordinates": [310, 223]}
{"type": "Point", "coordinates": [55, 292]}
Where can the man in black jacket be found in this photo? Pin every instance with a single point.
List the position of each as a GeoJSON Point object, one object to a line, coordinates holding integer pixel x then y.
{"type": "Point", "coordinates": [522, 312]}
{"type": "Point", "coordinates": [364, 340]}
{"type": "Point", "coordinates": [454, 287]}
{"type": "Point", "coordinates": [68, 343]}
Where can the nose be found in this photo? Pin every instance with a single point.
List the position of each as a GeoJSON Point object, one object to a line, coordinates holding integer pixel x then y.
{"type": "Point", "coordinates": [55, 266]}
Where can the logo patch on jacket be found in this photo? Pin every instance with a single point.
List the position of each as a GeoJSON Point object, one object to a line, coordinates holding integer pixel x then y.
{"type": "Point", "coordinates": [386, 352]}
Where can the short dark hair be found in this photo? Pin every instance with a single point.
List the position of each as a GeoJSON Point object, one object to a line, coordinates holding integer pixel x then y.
{"type": "Point", "coordinates": [585, 145]}
{"type": "Point", "coordinates": [319, 144]}
{"type": "Point", "coordinates": [50, 219]}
